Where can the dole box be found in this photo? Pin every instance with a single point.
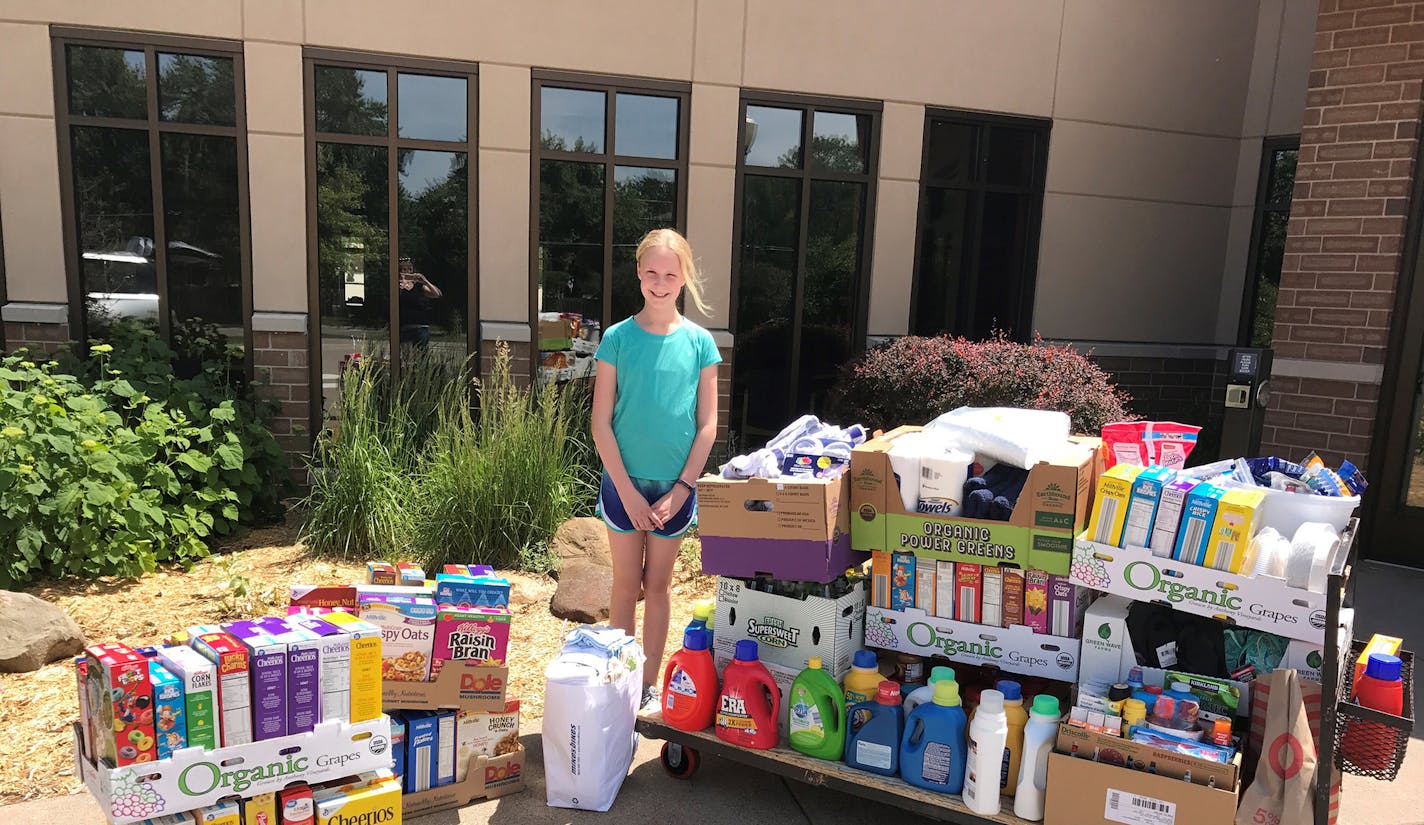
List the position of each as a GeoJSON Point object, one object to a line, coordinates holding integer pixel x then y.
{"type": "Point", "coordinates": [477, 634]}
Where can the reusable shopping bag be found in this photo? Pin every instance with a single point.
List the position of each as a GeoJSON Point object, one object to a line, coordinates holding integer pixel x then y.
{"type": "Point", "coordinates": [589, 710]}
{"type": "Point", "coordinates": [1284, 787]}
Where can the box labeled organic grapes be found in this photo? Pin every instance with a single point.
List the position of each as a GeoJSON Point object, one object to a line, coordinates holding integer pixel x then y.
{"type": "Point", "coordinates": [1016, 649]}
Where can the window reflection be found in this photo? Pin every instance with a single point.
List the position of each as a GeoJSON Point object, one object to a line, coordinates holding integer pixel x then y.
{"type": "Point", "coordinates": [113, 204]}
{"type": "Point", "coordinates": [431, 279]}
{"type": "Point", "coordinates": [951, 153]}
{"type": "Point", "coordinates": [838, 142]}
{"type": "Point", "coordinates": [204, 243]}
{"type": "Point", "coordinates": [432, 108]}
{"type": "Point", "coordinates": [107, 82]}
{"type": "Point", "coordinates": [571, 120]}
{"type": "Point", "coordinates": [771, 216]}
{"type": "Point", "coordinates": [833, 236]}
{"type": "Point", "coordinates": [643, 199]}
{"type": "Point", "coordinates": [351, 101]}
{"type": "Point", "coordinates": [571, 237]}
{"type": "Point", "coordinates": [942, 258]}
{"type": "Point", "coordinates": [772, 137]}
{"type": "Point", "coordinates": [196, 89]}
{"type": "Point", "coordinates": [646, 126]}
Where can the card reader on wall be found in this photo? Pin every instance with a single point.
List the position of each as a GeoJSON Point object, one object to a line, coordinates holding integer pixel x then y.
{"type": "Point", "coordinates": [1248, 388]}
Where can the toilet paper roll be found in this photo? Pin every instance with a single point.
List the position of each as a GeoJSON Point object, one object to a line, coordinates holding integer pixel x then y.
{"type": "Point", "coordinates": [1271, 550]}
{"type": "Point", "coordinates": [942, 477]}
{"type": "Point", "coordinates": [1311, 551]}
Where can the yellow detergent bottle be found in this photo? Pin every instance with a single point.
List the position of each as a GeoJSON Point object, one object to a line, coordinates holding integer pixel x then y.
{"type": "Point", "coordinates": [1017, 718]}
{"type": "Point", "coordinates": [864, 678]}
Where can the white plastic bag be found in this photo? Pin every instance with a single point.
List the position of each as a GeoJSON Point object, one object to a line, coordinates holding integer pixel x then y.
{"type": "Point", "coordinates": [1021, 438]}
{"type": "Point", "coordinates": [588, 732]}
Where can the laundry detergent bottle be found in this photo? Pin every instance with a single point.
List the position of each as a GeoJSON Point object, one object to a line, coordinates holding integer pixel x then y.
{"type": "Point", "coordinates": [987, 754]}
{"type": "Point", "coordinates": [690, 684]}
{"type": "Point", "coordinates": [933, 747]}
{"type": "Point", "coordinates": [1039, 736]}
{"type": "Point", "coordinates": [921, 695]}
{"type": "Point", "coordinates": [750, 704]}
{"type": "Point", "coordinates": [702, 617]}
{"type": "Point", "coordinates": [1017, 719]}
{"type": "Point", "coordinates": [873, 731]}
{"type": "Point", "coordinates": [816, 713]}
{"type": "Point", "coordinates": [864, 678]}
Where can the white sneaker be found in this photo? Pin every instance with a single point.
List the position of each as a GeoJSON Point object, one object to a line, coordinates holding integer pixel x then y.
{"type": "Point", "coordinates": [651, 698]}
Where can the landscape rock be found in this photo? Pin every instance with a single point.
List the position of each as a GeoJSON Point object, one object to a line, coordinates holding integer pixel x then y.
{"type": "Point", "coordinates": [582, 539]}
{"type": "Point", "coordinates": [34, 633]}
{"type": "Point", "coordinates": [526, 589]}
{"type": "Point", "coordinates": [584, 588]}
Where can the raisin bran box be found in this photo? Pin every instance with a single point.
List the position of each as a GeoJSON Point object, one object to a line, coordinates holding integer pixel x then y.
{"type": "Point", "coordinates": [479, 634]}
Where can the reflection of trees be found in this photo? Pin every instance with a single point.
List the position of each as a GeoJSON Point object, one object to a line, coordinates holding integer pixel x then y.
{"type": "Point", "coordinates": [195, 89]}
{"type": "Point", "coordinates": [352, 208]}
{"type": "Point", "coordinates": [433, 232]}
{"type": "Point", "coordinates": [101, 82]}
{"type": "Point", "coordinates": [342, 104]}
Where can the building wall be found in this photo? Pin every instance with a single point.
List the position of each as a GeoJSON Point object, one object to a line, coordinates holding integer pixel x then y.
{"type": "Point", "coordinates": [1158, 112]}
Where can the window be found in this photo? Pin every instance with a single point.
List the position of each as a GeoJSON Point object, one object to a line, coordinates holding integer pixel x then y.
{"type": "Point", "coordinates": [1268, 239]}
{"type": "Point", "coordinates": [391, 210]}
{"type": "Point", "coordinates": [610, 164]}
{"type": "Point", "coordinates": [153, 149]}
{"type": "Point", "coordinates": [981, 205]}
{"type": "Point", "coordinates": [805, 189]}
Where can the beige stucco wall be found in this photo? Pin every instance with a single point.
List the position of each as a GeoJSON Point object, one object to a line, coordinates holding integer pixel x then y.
{"type": "Point", "coordinates": [1158, 110]}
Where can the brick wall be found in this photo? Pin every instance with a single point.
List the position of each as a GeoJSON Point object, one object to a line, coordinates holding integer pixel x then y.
{"type": "Point", "coordinates": [519, 367]}
{"type": "Point", "coordinates": [280, 363]}
{"type": "Point", "coordinates": [38, 338]}
{"type": "Point", "coordinates": [1187, 390]}
{"type": "Point", "coordinates": [1347, 224]}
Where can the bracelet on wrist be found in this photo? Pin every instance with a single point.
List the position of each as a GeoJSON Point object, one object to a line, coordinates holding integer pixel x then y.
{"type": "Point", "coordinates": [690, 488]}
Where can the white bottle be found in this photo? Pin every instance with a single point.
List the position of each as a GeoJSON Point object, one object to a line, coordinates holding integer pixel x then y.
{"type": "Point", "coordinates": [988, 754]}
{"type": "Point", "coordinates": [1039, 736]}
{"type": "Point", "coordinates": [919, 696]}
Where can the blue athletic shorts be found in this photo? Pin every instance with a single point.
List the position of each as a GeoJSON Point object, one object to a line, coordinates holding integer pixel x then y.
{"type": "Point", "coordinates": [611, 508]}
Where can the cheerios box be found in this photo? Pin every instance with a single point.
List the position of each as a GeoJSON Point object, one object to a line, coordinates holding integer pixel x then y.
{"type": "Point", "coordinates": [169, 720]}
{"type": "Point", "coordinates": [268, 658]}
{"type": "Point", "coordinates": [377, 803]}
{"type": "Point", "coordinates": [479, 634]}
{"type": "Point", "coordinates": [407, 626]}
{"type": "Point", "coordinates": [121, 702]}
{"type": "Point", "coordinates": [364, 696]}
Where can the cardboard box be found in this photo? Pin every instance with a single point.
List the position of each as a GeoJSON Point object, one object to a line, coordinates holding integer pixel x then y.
{"type": "Point", "coordinates": [486, 778]}
{"type": "Point", "coordinates": [1066, 604]}
{"type": "Point", "coordinates": [170, 721]}
{"type": "Point", "coordinates": [460, 590]}
{"type": "Point", "coordinates": [407, 635]}
{"type": "Point", "coordinates": [200, 697]}
{"type": "Point", "coordinates": [226, 812]}
{"type": "Point", "coordinates": [1194, 533]}
{"type": "Point", "coordinates": [295, 806]}
{"type": "Point", "coordinates": [945, 588]}
{"type": "Point", "coordinates": [468, 685]}
{"type": "Point", "coordinates": [260, 809]}
{"type": "Point", "coordinates": [326, 596]}
{"type": "Point", "coordinates": [926, 585]}
{"type": "Point", "coordinates": [1169, 516]}
{"type": "Point", "coordinates": [81, 681]}
{"type": "Point", "coordinates": [121, 702]}
{"type": "Point", "coordinates": [334, 649]}
{"type": "Point", "coordinates": [797, 529]}
{"type": "Point", "coordinates": [991, 597]}
{"type": "Point", "coordinates": [475, 634]}
{"type": "Point", "coordinates": [1107, 653]}
{"type": "Point", "coordinates": [1260, 602]}
{"type": "Point", "coordinates": [445, 745]}
{"type": "Point", "coordinates": [880, 564]}
{"type": "Point", "coordinates": [1014, 598]}
{"type": "Point", "coordinates": [379, 803]}
{"type": "Point", "coordinates": [1124, 753]}
{"type": "Point", "coordinates": [902, 581]}
{"type": "Point", "coordinates": [398, 746]}
{"type": "Point", "coordinates": [485, 733]}
{"type": "Point", "coordinates": [1051, 509]}
{"type": "Point", "coordinates": [422, 733]}
{"type": "Point", "coordinates": [969, 585]}
{"type": "Point", "coordinates": [1236, 520]}
{"type": "Point", "coordinates": [1082, 792]}
{"type": "Point", "coordinates": [365, 665]}
{"type": "Point", "coordinates": [268, 662]}
{"type": "Point", "coordinates": [381, 572]}
{"type": "Point", "coordinates": [304, 679]}
{"type": "Point", "coordinates": [1142, 506]}
{"type": "Point", "coordinates": [1036, 600]}
{"type": "Point", "coordinates": [790, 631]}
{"type": "Point", "coordinates": [1015, 649]}
{"type": "Point", "coordinates": [1110, 505]}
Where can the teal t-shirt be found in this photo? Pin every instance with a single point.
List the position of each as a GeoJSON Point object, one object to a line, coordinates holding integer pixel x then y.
{"type": "Point", "coordinates": [655, 413]}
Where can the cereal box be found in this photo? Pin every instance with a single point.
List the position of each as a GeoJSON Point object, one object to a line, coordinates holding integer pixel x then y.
{"type": "Point", "coordinates": [260, 809]}
{"type": "Point", "coordinates": [407, 635]}
{"type": "Point", "coordinates": [445, 747]}
{"type": "Point", "coordinates": [902, 581]}
{"type": "Point", "coordinates": [469, 569]}
{"type": "Point", "coordinates": [234, 685]}
{"type": "Point", "coordinates": [335, 659]}
{"type": "Point", "coordinates": [398, 744]}
{"type": "Point", "coordinates": [479, 634]}
{"type": "Point", "coordinates": [200, 699]}
{"type": "Point", "coordinates": [121, 702]}
{"type": "Point", "coordinates": [1036, 600]}
{"type": "Point", "coordinates": [381, 572]}
{"type": "Point", "coordinates": [1067, 602]}
{"type": "Point", "coordinates": [945, 583]}
{"type": "Point", "coordinates": [268, 660]}
{"type": "Point", "coordinates": [1013, 596]}
{"type": "Point", "coordinates": [365, 647]}
{"type": "Point", "coordinates": [925, 585]}
{"type": "Point", "coordinates": [471, 591]}
{"type": "Point", "coordinates": [184, 818]}
{"type": "Point", "coordinates": [295, 806]}
{"type": "Point", "coordinates": [409, 574]}
{"type": "Point", "coordinates": [323, 596]}
{"type": "Point", "coordinates": [169, 720]}
{"type": "Point", "coordinates": [421, 731]}
{"type": "Point", "coordinates": [485, 734]}
{"type": "Point", "coordinates": [86, 734]}
{"type": "Point", "coordinates": [377, 803]}
{"type": "Point", "coordinates": [970, 579]}
{"type": "Point", "coordinates": [880, 578]}
{"type": "Point", "coordinates": [303, 673]}
{"type": "Point", "coordinates": [226, 812]}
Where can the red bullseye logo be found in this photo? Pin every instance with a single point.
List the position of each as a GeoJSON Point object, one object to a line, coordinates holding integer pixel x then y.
{"type": "Point", "coordinates": [1286, 756]}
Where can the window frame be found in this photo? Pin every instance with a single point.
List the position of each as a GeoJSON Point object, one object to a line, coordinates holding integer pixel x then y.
{"type": "Point", "coordinates": [611, 86]}
{"type": "Point", "coordinates": [392, 65]}
{"type": "Point", "coordinates": [61, 37]}
{"type": "Point", "coordinates": [1270, 145]}
{"type": "Point", "coordinates": [977, 190]}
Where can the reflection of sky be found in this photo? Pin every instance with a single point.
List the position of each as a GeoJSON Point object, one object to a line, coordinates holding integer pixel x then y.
{"type": "Point", "coordinates": [370, 85]}
{"type": "Point", "coordinates": [572, 114]}
{"type": "Point", "coordinates": [424, 170]}
{"type": "Point", "coordinates": [777, 131]}
{"type": "Point", "coordinates": [646, 126]}
{"type": "Point", "coordinates": [134, 60]}
{"type": "Point", "coordinates": [432, 108]}
{"type": "Point", "coordinates": [834, 125]}
{"type": "Point", "coordinates": [624, 174]}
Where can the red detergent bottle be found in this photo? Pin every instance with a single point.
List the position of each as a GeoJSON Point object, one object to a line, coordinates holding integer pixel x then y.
{"type": "Point", "coordinates": [1381, 688]}
{"type": "Point", "coordinates": [690, 684]}
{"type": "Point", "coordinates": [750, 704]}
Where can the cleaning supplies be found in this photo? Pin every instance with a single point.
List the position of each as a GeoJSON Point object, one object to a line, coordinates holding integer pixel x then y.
{"type": "Point", "coordinates": [1017, 719]}
{"type": "Point", "coordinates": [1039, 736]}
{"type": "Point", "coordinates": [925, 694]}
{"type": "Point", "coordinates": [703, 611]}
{"type": "Point", "coordinates": [750, 704]}
{"type": "Point", "coordinates": [1378, 643]}
{"type": "Point", "coordinates": [1380, 688]}
{"type": "Point", "coordinates": [873, 731]}
{"type": "Point", "coordinates": [690, 684]}
{"type": "Point", "coordinates": [864, 678]}
{"type": "Point", "coordinates": [987, 758]}
{"type": "Point", "coordinates": [933, 748]}
{"type": "Point", "coordinates": [816, 713]}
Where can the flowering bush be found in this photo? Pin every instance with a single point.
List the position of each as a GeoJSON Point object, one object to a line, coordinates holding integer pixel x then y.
{"type": "Point", "coordinates": [912, 380]}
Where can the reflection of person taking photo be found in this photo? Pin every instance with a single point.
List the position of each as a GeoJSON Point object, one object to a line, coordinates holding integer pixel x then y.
{"type": "Point", "coordinates": [416, 293]}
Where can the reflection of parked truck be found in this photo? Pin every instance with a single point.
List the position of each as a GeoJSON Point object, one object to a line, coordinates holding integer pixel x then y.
{"type": "Point", "coordinates": [124, 283]}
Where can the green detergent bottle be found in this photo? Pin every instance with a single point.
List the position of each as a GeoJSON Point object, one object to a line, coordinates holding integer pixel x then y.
{"type": "Point", "coordinates": [816, 713]}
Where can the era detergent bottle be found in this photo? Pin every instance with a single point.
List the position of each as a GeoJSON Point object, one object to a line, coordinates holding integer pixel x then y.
{"type": "Point", "coordinates": [750, 704]}
{"type": "Point", "coordinates": [690, 684]}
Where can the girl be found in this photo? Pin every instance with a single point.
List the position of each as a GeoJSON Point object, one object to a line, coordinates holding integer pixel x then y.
{"type": "Point", "coordinates": [654, 421]}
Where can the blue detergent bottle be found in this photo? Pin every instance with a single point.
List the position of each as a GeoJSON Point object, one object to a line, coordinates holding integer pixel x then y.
{"type": "Point", "coordinates": [933, 746]}
{"type": "Point", "coordinates": [873, 731]}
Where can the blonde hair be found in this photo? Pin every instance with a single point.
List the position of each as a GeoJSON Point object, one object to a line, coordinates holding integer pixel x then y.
{"type": "Point", "coordinates": [673, 240]}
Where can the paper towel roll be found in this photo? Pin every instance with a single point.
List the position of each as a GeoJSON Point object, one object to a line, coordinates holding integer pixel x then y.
{"type": "Point", "coordinates": [1271, 550]}
{"type": "Point", "coordinates": [942, 477]}
{"type": "Point", "coordinates": [905, 463]}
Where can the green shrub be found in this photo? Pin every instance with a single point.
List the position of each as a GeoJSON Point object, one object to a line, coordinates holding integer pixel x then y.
{"type": "Point", "coordinates": [424, 470]}
{"type": "Point", "coordinates": [912, 380]}
{"type": "Point", "coordinates": [104, 478]}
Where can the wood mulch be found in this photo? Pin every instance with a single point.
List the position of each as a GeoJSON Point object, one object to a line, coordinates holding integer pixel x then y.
{"type": "Point", "coordinates": [37, 709]}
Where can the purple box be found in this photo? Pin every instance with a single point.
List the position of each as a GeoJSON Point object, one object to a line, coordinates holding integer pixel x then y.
{"type": "Point", "coordinates": [304, 685]}
{"type": "Point", "coordinates": [268, 666]}
{"type": "Point", "coordinates": [803, 560]}
{"type": "Point", "coordinates": [1067, 602]}
{"type": "Point", "coordinates": [335, 666]}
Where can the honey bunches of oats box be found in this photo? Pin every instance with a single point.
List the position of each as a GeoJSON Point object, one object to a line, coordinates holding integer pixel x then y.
{"type": "Point", "coordinates": [407, 626]}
